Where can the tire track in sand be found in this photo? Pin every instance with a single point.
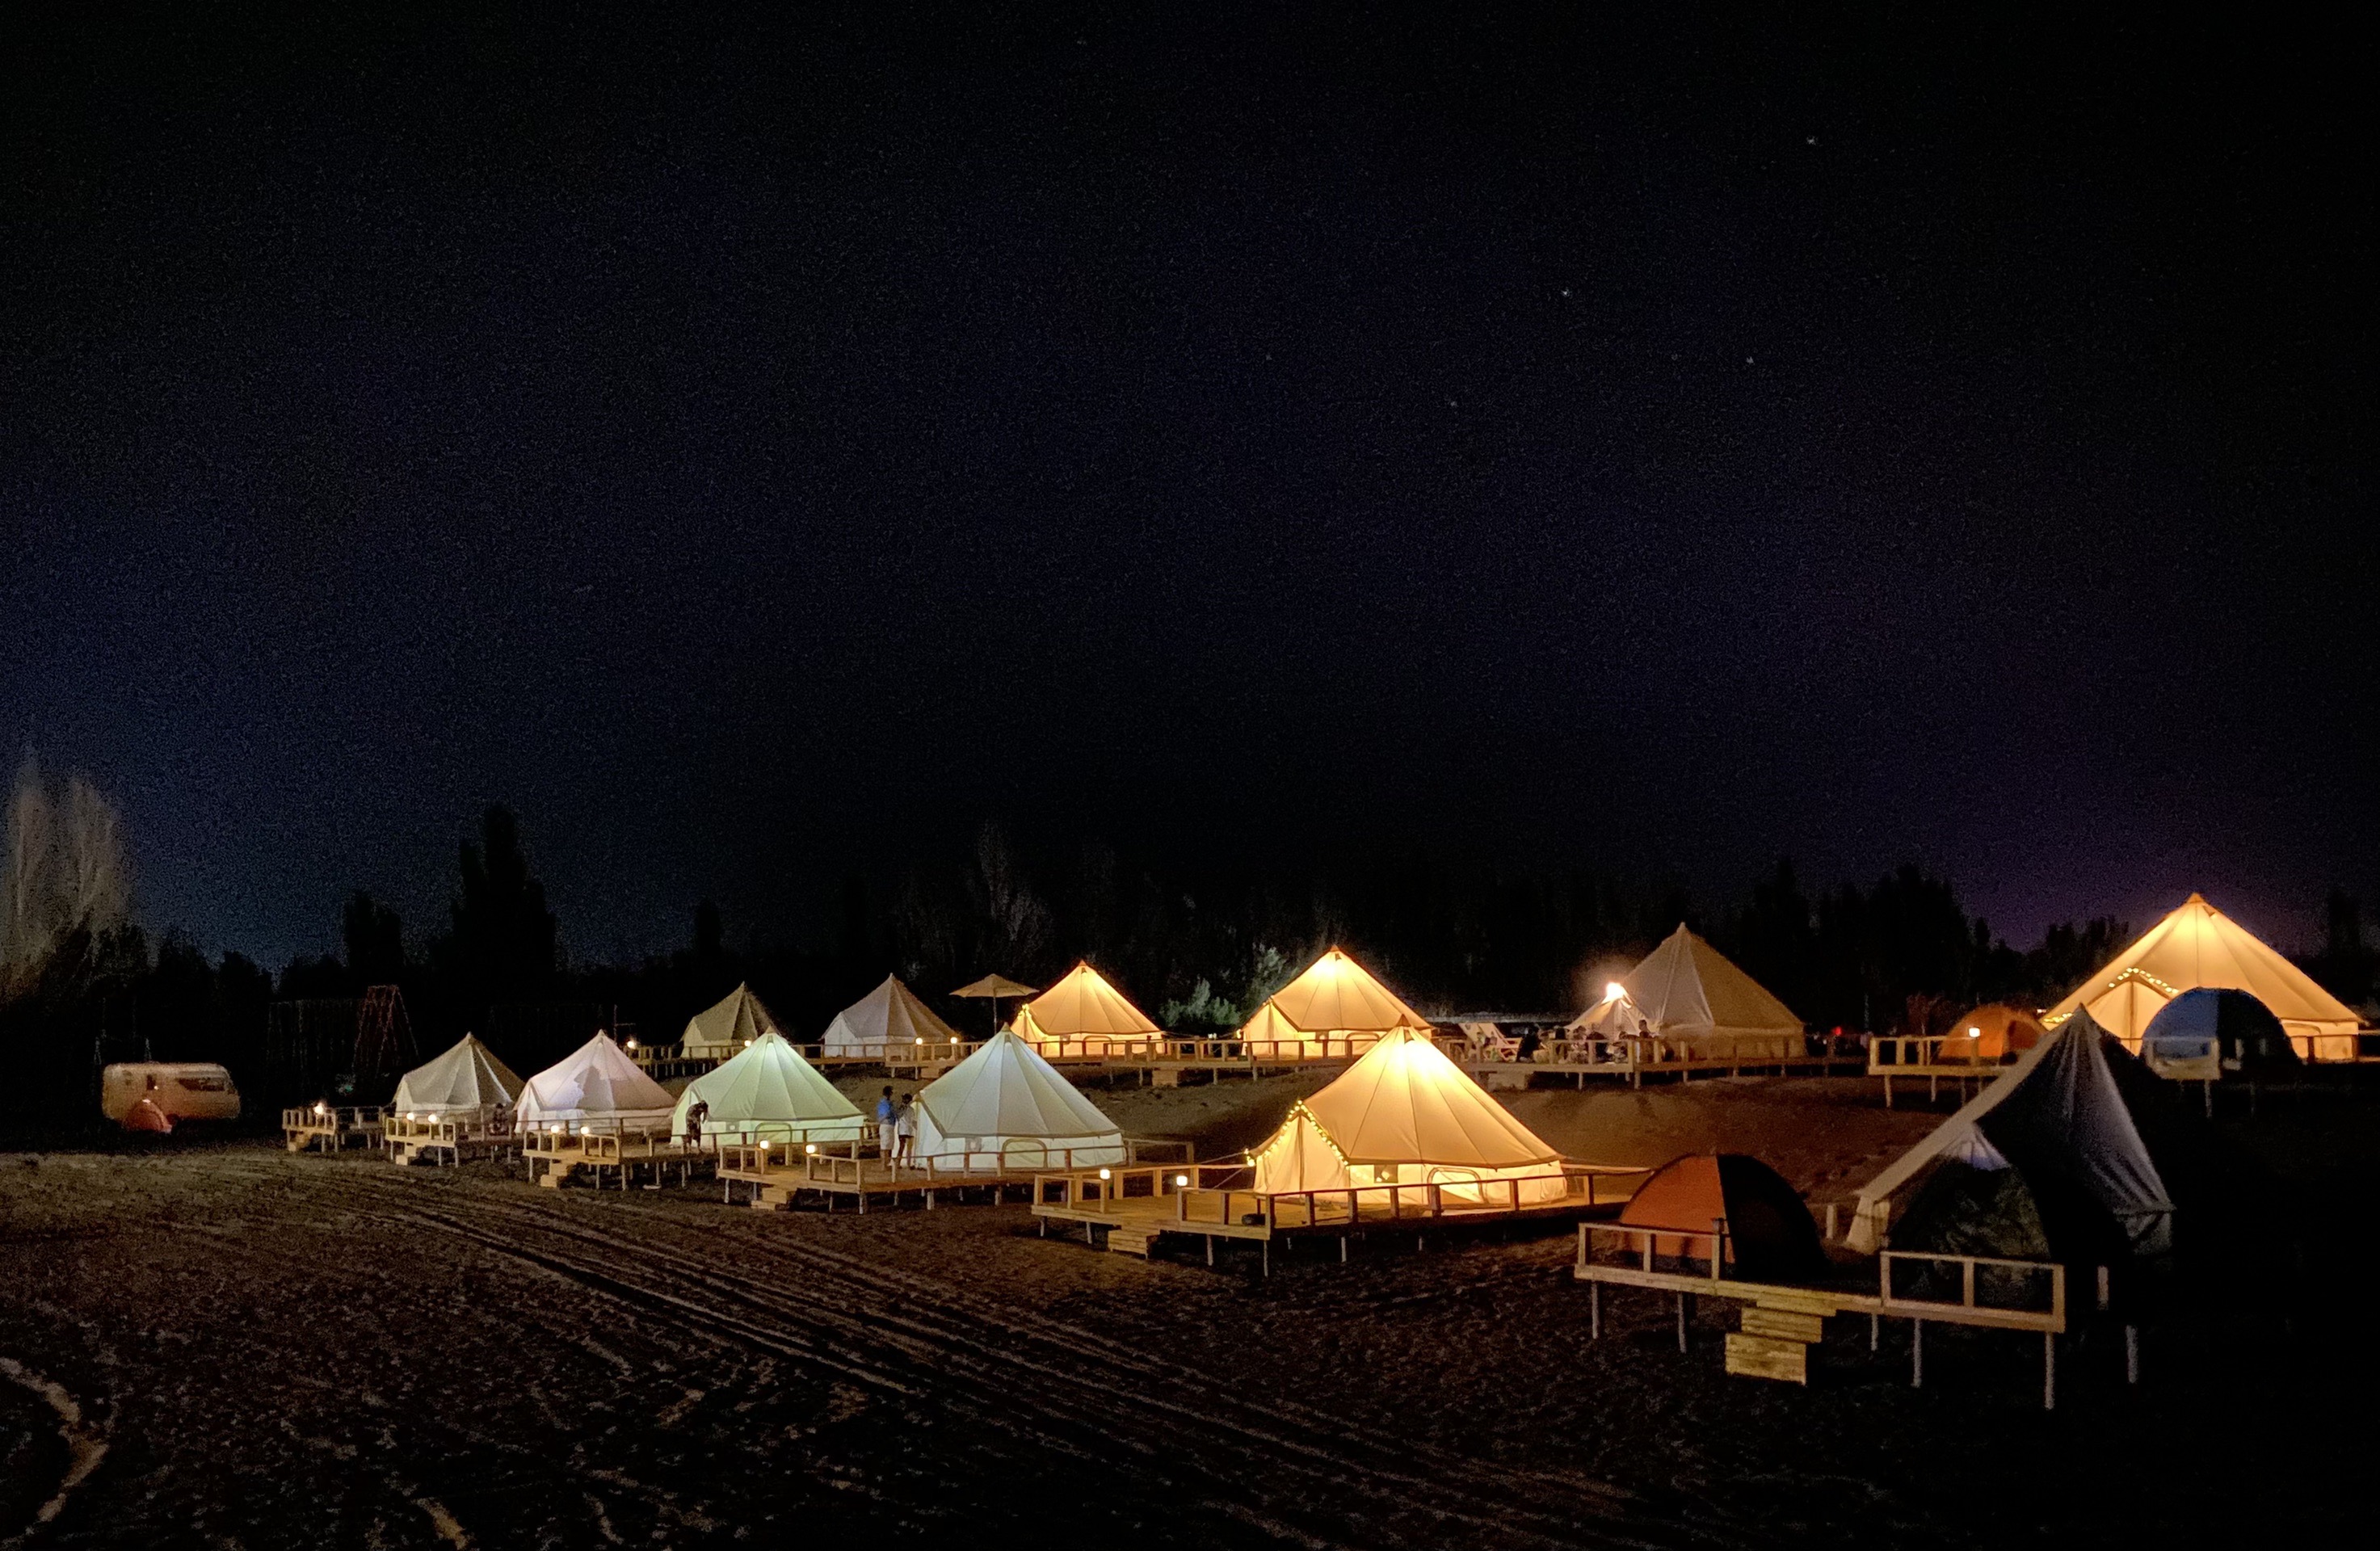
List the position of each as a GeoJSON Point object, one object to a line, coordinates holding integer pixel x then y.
{"type": "Point", "coordinates": [1046, 1383]}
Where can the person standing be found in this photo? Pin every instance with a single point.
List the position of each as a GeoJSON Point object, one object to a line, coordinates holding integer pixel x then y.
{"type": "Point", "coordinates": [887, 1112]}
{"type": "Point", "coordinates": [905, 1129]}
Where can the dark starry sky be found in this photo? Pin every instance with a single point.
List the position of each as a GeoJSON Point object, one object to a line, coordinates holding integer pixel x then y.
{"type": "Point", "coordinates": [1578, 435]}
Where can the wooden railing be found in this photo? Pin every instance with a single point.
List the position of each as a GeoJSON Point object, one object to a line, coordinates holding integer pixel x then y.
{"type": "Point", "coordinates": [1577, 1186]}
{"type": "Point", "coordinates": [858, 1168]}
{"type": "Point", "coordinates": [339, 1117]}
{"type": "Point", "coordinates": [1969, 1310]}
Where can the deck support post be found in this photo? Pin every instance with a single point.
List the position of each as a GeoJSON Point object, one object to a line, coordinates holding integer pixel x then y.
{"type": "Point", "coordinates": [2049, 1370]}
{"type": "Point", "coordinates": [1342, 1249]}
{"type": "Point", "coordinates": [1681, 1322]}
{"type": "Point", "coordinates": [1264, 1248]}
{"type": "Point", "coordinates": [2131, 1355]}
{"type": "Point", "coordinates": [1595, 1311]}
{"type": "Point", "coordinates": [1211, 1244]}
{"type": "Point", "coordinates": [1916, 1354]}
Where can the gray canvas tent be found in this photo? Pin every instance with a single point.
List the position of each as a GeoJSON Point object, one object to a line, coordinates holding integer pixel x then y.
{"type": "Point", "coordinates": [2056, 1121]}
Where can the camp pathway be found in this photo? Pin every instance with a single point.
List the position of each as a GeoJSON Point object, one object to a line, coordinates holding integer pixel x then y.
{"type": "Point", "coordinates": [301, 1351]}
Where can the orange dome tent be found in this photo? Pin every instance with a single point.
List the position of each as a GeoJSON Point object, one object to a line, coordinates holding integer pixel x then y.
{"type": "Point", "coordinates": [1991, 1033]}
{"type": "Point", "coordinates": [1769, 1233]}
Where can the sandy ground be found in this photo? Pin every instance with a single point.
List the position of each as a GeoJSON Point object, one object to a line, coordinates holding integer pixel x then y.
{"type": "Point", "coordinates": [278, 1351]}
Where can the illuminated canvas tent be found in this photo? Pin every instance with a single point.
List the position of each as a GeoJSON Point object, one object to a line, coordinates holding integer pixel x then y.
{"type": "Point", "coordinates": [466, 1082]}
{"type": "Point", "coordinates": [727, 1026]}
{"type": "Point", "coordinates": [1615, 1016]}
{"type": "Point", "coordinates": [1082, 1014]}
{"type": "Point", "coordinates": [888, 1016]}
{"type": "Point", "coordinates": [767, 1092]}
{"type": "Point", "coordinates": [596, 1087]}
{"type": "Point", "coordinates": [1989, 1034]}
{"type": "Point", "coordinates": [1332, 1008]}
{"type": "Point", "coordinates": [2084, 1187]}
{"type": "Point", "coordinates": [1406, 1115]}
{"type": "Point", "coordinates": [2198, 945]}
{"type": "Point", "coordinates": [1004, 1108]}
{"type": "Point", "coordinates": [1769, 1234]}
{"type": "Point", "coordinates": [1692, 995]}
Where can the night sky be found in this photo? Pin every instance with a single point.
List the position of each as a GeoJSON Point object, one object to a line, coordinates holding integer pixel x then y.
{"type": "Point", "coordinates": [1571, 436]}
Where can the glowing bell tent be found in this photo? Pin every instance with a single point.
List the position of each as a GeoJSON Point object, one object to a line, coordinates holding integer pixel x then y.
{"type": "Point", "coordinates": [1769, 1234]}
{"type": "Point", "coordinates": [1690, 993]}
{"type": "Point", "coordinates": [1404, 1115]}
{"type": "Point", "coordinates": [767, 1092]}
{"type": "Point", "coordinates": [890, 1015]}
{"type": "Point", "coordinates": [2045, 1162]}
{"type": "Point", "coordinates": [2202, 1034]}
{"type": "Point", "coordinates": [1082, 1014]}
{"type": "Point", "coordinates": [1333, 1007]}
{"type": "Point", "coordinates": [596, 1087]}
{"type": "Point", "coordinates": [727, 1026]}
{"type": "Point", "coordinates": [2198, 945]}
{"type": "Point", "coordinates": [1004, 1108]}
{"type": "Point", "coordinates": [466, 1082]}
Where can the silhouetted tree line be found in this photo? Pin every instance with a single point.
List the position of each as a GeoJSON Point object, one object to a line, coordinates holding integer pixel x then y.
{"type": "Point", "coordinates": [1197, 947]}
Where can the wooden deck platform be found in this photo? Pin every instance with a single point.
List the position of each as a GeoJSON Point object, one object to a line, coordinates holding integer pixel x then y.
{"type": "Point", "coordinates": [1908, 1057]}
{"type": "Point", "coordinates": [447, 1143]}
{"type": "Point", "coordinates": [331, 1128]}
{"type": "Point", "coordinates": [555, 1158]}
{"type": "Point", "coordinates": [1782, 1321]}
{"type": "Point", "coordinates": [1636, 1058]}
{"type": "Point", "coordinates": [1129, 1209]}
{"type": "Point", "coordinates": [775, 1179]}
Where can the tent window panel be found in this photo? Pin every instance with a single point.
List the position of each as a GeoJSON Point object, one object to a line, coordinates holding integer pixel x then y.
{"type": "Point", "coordinates": [1384, 1173]}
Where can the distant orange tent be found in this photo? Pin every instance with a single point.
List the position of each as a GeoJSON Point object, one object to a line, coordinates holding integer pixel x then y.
{"type": "Point", "coordinates": [1769, 1230]}
{"type": "Point", "coordinates": [1991, 1033]}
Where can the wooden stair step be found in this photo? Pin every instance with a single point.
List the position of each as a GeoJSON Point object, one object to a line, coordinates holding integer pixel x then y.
{"type": "Point", "coordinates": [1130, 1241]}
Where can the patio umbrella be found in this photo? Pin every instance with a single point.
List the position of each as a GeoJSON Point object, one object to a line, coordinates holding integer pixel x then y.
{"type": "Point", "coordinates": [995, 986]}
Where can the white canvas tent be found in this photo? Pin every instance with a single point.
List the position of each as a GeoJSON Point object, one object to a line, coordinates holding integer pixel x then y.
{"type": "Point", "coordinates": [1406, 1115]}
{"type": "Point", "coordinates": [727, 1026]}
{"type": "Point", "coordinates": [1004, 1108]}
{"type": "Point", "coordinates": [1694, 998]}
{"type": "Point", "coordinates": [2196, 946]}
{"type": "Point", "coordinates": [2056, 1116]}
{"type": "Point", "coordinates": [1616, 1016]}
{"type": "Point", "coordinates": [1082, 1014]}
{"type": "Point", "coordinates": [596, 1087]}
{"type": "Point", "coordinates": [768, 1093]}
{"type": "Point", "coordinates": [466, 1082]}
{"type": "Point", "coordinates": [889, 1016]}
{"type": "Point", "coordinates": [1332, 1008]}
